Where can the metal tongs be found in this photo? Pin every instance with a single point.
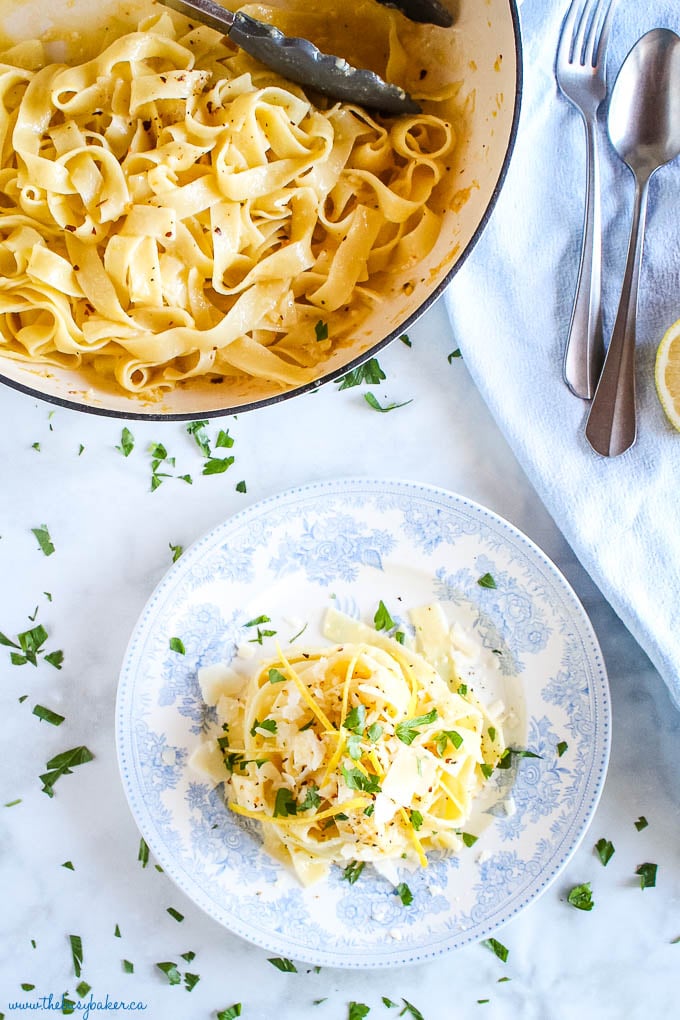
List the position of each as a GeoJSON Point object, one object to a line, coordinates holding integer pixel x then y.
{"type": "Point", "coordinates": [301, 62]}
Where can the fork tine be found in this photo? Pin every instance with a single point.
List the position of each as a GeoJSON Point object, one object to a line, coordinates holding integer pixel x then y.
{"type": "Point", "coordinates": [598, 31]}
{"type": "Point", "coordinates": [566, 43]}
{"type": "Point", "coordinates": [585, 29]}
{"type": "Point", "coordinates": [604, 33]}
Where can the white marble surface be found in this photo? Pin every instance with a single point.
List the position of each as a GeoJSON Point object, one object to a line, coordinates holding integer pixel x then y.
{"type": "Point", "coordinates": [112, 540]}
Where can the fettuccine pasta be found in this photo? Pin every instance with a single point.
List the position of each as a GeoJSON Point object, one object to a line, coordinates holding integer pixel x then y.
{"type": "Point", "coordinates": [171, 209]}
{"type": "Point", "coordinates": [360, 751]}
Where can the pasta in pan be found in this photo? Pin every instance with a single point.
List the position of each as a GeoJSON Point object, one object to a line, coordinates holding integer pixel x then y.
{"type": "Point", "coordinates": [170, 209]}
{"type": "Point", "coordinates": [360, 752]}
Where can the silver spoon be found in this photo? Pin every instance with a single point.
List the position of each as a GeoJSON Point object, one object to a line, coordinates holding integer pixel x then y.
{"type": "Point", "coordinates": [644, 127]}
{"type": "Point", "coordinates": [299, 60]}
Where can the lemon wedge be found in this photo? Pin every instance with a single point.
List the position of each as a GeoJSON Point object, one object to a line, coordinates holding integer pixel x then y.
{"type": "Point", "coordinates": [667, 374]}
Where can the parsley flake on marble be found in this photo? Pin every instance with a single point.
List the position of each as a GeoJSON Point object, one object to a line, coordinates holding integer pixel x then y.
{"type": "Point", "coordinates": [230, 1013]}
{"type": "Point", "coordinates": [127, 442]}
{"type": "Point", "coordinates": [47, 715]}
{"type": "Point", "coordinates": [453, 355]}
{"type": "Point", "coordinates": [581, 897]}
{"type": "Point", "coordinates": [82, 988]}
{"type": "Point", "coordinates": [370, 373]}
{"type": "Point", "coordinates": [190, 981]}
{"type": "Point", "coordinates": [128, 967]}
{"type": "Point", "coordinates": [641, 823]}
{"type": "Point", "coordinates": [76, 953]}
{"type": "Point", "coordinates": [62, 765]}
{"type": "Point", "coordinates": [44, 540]}
{"type": "Point", "coordinates": [170, 970]}
{"type": "Point", "coordinates": [647, 873]}
{"type": "Point", "coordinates": [496, 947]}
{"type": "Point", "coordinates": [358, 1010]}
{"type": "Point", "coordinates": [176, 551]}
{"type": "Point", "coordinates": [241, 486]}
{"type": "Point", "coordinates": [217, 465]}
{"type": "Point", "coordinates": [373, 402]}
{"type": "Point", "coordinates": [605, 850]}
{"type": "Point", "coordinates": [68, 865]}
{"type": "Point", "coordinates": [143, 853]}
{"type": "Point", "coordinates": [283, 964]}
{"type": "Point", "coordinates": [176, 914]}
{"type": "Point", "coordinates": [411, 1010]}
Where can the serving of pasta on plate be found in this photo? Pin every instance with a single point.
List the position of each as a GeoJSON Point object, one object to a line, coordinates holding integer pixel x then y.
{"type": "Point", "coordinates": [370, 750]}
{"type": "Point", "coordinates": [174, 211]}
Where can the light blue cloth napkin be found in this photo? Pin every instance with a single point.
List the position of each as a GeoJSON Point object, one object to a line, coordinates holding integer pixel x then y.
{"type": "Point", "coordinates": [510, 307]}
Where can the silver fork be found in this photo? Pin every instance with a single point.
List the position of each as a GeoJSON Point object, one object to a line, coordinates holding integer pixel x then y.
{"type": "Point", "coordinates": [580, 74]}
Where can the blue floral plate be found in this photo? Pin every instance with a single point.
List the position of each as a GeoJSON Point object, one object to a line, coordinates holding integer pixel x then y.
{"type": "Point", "coordinates": [351, 543]}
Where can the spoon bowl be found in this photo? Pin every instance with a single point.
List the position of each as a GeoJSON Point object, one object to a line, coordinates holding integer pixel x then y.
{"type": "Point", "coordinates": [644, 128]}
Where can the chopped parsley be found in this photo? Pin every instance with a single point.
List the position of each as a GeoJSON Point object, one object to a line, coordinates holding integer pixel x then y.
{"type": "Point", "coordinates": [605, 851]}
{"type": "Point", "coordinates": [190, 956]}
{"type": "Point", "coordinates": [357, 1011]}
{"type": "Point", "coordinates": [411, 1010]}
{"type": "Point", "coordinates": [62, 765]}
{"type": "Point", "coordinates": [143, 853]}
{"type": "Point", "coordinates": [177, 645]}
{"type": "Point", "coordinates": [269, 725]}
{"type": "Point", "coordinates": [224, 441]}
{"type": "Point", "coordinates": [454, 354]}
{"type": "Point", "coordinates": [82, 988]}
{"type": "Point", "coordinates": [443, 739]}
{"type": "Point", "coordinates": [196, 429]}
{"type": "Point", "coordinates": [230, 1013]}
{"type": "Point", "coordinates": [372, 401]}
{"type": "Point", "coordinates": [390, 1003]}
{"type": "Point", "coordinates": [29, 645]}
{"type": "Point", "coordinates": [374, 732]}
{"type": "Point", "coordinates": [355, 779]}
{"type": "Point", "coordinates": [47, 715]}
{"type": "Point", "coordinates": [76, 953]}
{"type": "Point", "coordinates": [321, 331]}
{"type": "Point", "coordinates": [127, 443]}
{"type": "Point", "coordinates": [283, 964]}
{"type": "Point", "coordinates": [176, 551]}
{"type": "Point", "coordinates": [128, 968]}
{"type": "Point", "coordinates": [44, 541]}
{"type": "Point", "coordinates": [496, 947]}
{"type": "Point", "coordinates": [405, 340]}
{"type": "Point", "coordinates": [276, 676]}
{"type": "Point", "coordinates": [647, 873]}
{"type": "Point", "coordinates": [404, 893]}
{"type": "Point", "coordinates": [116, 932]}
{"type": "Point", "coordinates": [176, 914]}
{"type": "Point", "coordinates": [641, 823]}
{"type": "Point", "coordinates": [170, 970]}
{"type": "Point", "coordinates": [217, 465]}
{"type": "Point", "coordinates": [355, 719]}
{"type": "Point", "coordinates": [487, 770]}
{"type": "Point", "coordinates": [311, 798]}
{"type": "Point", "coordinates": [285, 803]}
{"type": "Point", "coordinates": [370, 373]}
{"type": "Point", "coordinates": [407, 731]}
{"type": "Point", "coordinates": [505, 761]}
{"type": "Point", "coordinates": [354, 747]}
{"type": "Point", "coordinates": [241, 486]}
{"type": "Point", "coordinates": [416, 819]}
{"type": "Point", "coordinates": [68, 865]}
{"type": "Point", "coordinates": [382, 619]}
{"type": "Point", "coordinates": [190, 981]}
{"type": "Point", "coordinates": [486, 581]}
{"type": "Point", "coordinates": [353, 870]}
{"type": "Point", "coordinates": [468, 838]}
{"type": "Point", "coordinates": [581, 897]}
{"type": "Point", "coordinates": [561, 748]}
